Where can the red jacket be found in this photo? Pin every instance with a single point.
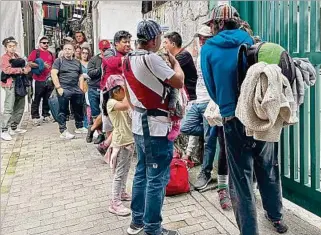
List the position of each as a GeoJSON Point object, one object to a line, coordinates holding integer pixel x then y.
{"type": "Point", "coordinates": [111, 66]}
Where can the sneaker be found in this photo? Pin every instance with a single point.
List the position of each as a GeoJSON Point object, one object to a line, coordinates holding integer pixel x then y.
{"type": "Point", "coordinates": [66, 135]}
{"type": "Point", "coordinates": [47, 119]}
{"type": "Point", "coordinates": [118, 208]}
{"type": "Point", "coordinates": [6, 136]}
{"type": "Point", "coordinates": [225, 200]}
{"type": "Point", "coordinates": [134, 229]}
{"type": "Point", "coordinates": [125, 197]}
{"type": "Point", "coordinates": [82, 130]}
{"type": "Point", "coordinates": [169, 232]}
{"type": "Point", "coordinates": [90, 135]}
{"type": "Point", "coordinates": [102, 149]}
{"type": "Point", "coordinates": [279, 226]}
{"type": "Point", "coordinates": [202, 181]}
{"type": "Point", "coordinates": [17, 131]}
{"type": "Point", "coordinates": [36, 122]}
{"type": "Point", "coordinates": [100, 138]}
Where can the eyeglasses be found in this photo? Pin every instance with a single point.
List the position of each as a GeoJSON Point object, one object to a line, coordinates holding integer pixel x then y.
{"type": "Point", "coordinates": [85, 53]}
{"type": "Point", "coordinates": [44, 42]}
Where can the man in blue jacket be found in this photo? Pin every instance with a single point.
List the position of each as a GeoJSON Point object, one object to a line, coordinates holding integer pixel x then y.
{"type": "Point", "coordinates": [244, 154]}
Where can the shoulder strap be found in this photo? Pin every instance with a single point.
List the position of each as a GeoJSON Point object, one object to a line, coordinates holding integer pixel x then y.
{"type": "Point", "coordinates": [37, 53]}
{"type": "Point", "coordinates": [241, 71]}
{"type": "Point", "coordinates": [160, 80]}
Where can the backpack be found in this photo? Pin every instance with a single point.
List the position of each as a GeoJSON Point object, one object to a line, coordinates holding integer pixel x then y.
{"type": "Point", "coordinates": [268, 52]}
{"type": "Point", "coordinates": [178, 181]}
{"type": "Point", "coordinates": [182, 98]}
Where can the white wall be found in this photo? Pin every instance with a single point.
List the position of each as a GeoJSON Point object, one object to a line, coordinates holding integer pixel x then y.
{"type": "Point", "coordinates": [11, 25]}
{"type": "Point", "coordinates": [112, 16]}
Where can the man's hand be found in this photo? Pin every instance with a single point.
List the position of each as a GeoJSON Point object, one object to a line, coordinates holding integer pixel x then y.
{"type": "Point", "coordinates": [60, 91]}
{"type": "Point", "coordinates": [171, 58]}
{"type": "Point", "coordinates": [47, 65]}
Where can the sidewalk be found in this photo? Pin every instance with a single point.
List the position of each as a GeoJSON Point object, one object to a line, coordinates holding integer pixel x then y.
{"type": "Point", "coordinates": [51, 186]}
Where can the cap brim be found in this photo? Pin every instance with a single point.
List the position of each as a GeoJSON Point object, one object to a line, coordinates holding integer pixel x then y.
{"type": "Point", "coordinates": [208, 22]}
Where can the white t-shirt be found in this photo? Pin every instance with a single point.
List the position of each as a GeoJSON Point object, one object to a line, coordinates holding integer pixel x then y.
{"type": "Point", "coordinates": [158, 126]}
{"type": "Point", "coordinates": [201, 91]}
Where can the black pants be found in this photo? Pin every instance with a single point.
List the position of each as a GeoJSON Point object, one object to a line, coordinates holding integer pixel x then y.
{"type": "Point", "coordinates": [222, 160]}
{"type": "Point", "coordinates": [245, 156]}
{"type": "Point", "coordinates": [77, 102]}
{"type": "Point", "coordinates": [41, 91]}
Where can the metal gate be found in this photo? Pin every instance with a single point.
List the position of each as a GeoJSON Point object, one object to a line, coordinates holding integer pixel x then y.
{"type": "Point", "coordinates": [295, 25]}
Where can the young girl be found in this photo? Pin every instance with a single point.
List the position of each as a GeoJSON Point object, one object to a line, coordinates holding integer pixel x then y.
{"type": "Point", "coordinates": [119, 154]}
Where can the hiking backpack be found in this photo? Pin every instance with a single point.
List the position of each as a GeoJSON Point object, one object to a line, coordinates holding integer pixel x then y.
{"type": "Point", "coordinates": [178, 181]}
{"type": "Point", "coordinates": [267, 52]}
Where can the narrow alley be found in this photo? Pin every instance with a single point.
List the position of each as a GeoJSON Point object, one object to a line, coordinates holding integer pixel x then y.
{"type": "Point", "coordinates": [52, 186]}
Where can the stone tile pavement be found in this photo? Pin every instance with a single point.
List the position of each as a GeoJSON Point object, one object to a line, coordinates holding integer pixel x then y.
{"type": "Point", "coordinates": [51, 186]}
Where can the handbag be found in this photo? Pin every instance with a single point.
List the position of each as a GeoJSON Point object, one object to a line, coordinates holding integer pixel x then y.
{"type": "Point", "coordinates": [212, 114]}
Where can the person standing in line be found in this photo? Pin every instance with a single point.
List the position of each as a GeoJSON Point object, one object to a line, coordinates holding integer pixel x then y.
{"type": "Point", "coordinates": [13, 105]}
{"type": "Point", "coordinates": [85, 57]}
{"type": "Point", "coordinates": [122, 144]}
{"type": "Point", "coordinates": [95, 76]}
{"type": "Point", "coordinates": [244, 154]}
{"type": "Point", "coordinates": [195, 124]}
{"type": "Point", "coordinates": [68, 79]}
{"type": "Point", "coordinates": [42, 84]}
{"type": "Point", "coordinates": [150, 125]}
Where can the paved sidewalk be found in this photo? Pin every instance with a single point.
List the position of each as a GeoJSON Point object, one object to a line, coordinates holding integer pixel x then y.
{"type": "Point", "coordinates": [51, 186]}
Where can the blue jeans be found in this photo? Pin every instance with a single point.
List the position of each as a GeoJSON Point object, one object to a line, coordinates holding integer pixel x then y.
{"type": "Point", "coordinates": [245, 155]}
{"type": "Point", "coordinates": [150, 180]}
{"type": "Point", "coordinates": [94, 101]}
{"type": "Point", "coordinates": [195, 124]}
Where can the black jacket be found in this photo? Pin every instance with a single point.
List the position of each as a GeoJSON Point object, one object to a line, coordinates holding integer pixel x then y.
{"type": "Point", "coordinates": [94, 72]}
{"type": "Point", "coordinates": [186, 62]}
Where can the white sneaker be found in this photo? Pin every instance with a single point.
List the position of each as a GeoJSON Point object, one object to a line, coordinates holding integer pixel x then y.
{"type": "Point", "coordinates": [17, 131]}
{"type": "Point", "coordinates": [36, 122]}
{"type": "Point", "coordinates": [6, 136]}
{"type": "Point", "coordinates": [20, 131]}
{"type": "Point", "coordinates": [82, 130]}
{"type": "Point", "coordinates": [66, 135]}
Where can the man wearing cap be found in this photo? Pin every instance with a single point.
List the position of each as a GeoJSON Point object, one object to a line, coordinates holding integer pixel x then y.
{"type": "Point", "coordinates": [95, 73]}
{"type": "Point", "coordinates": [144, 70]}
{"type": "Point", "coordinates": [195, 124]}
{"type": "Point", "coordinates": [40, 61]}
{"type": "Point", "coordinates": [244, 154]}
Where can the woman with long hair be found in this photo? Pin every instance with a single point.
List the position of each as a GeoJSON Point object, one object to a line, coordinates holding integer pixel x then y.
{"type": "Point", "coordinates": [85, 56]}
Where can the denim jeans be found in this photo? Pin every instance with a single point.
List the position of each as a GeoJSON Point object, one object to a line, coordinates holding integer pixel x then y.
{"type": "Point", "coordinates": [94, 101]}
{"type": "Point", "coordinates": [195, 124]}
{"type": "Point", "coordinates": [245, 155]}
{"type": "Point", "coordinates": [77, 102]}
{"type": "Point", "coordinates": [150, 180]}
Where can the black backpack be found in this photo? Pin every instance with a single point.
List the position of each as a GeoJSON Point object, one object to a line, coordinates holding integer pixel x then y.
{"type": "Point", "coordinates": [268, 52]}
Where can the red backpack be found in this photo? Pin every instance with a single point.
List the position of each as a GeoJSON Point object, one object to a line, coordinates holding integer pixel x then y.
{"type": "Point", "coordinates": [178, 182]}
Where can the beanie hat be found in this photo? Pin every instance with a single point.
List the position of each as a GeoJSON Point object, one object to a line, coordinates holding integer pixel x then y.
{"type": "Point", "coordinates": [148, 30]}
{"type": "Point", "coordinates": [223, 12]}
{"type": "Point", "coordinates": [114, 81]}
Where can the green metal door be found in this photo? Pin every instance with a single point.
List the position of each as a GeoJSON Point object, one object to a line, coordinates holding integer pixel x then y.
{"type": "Point", "coordinates": [295, 25]}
